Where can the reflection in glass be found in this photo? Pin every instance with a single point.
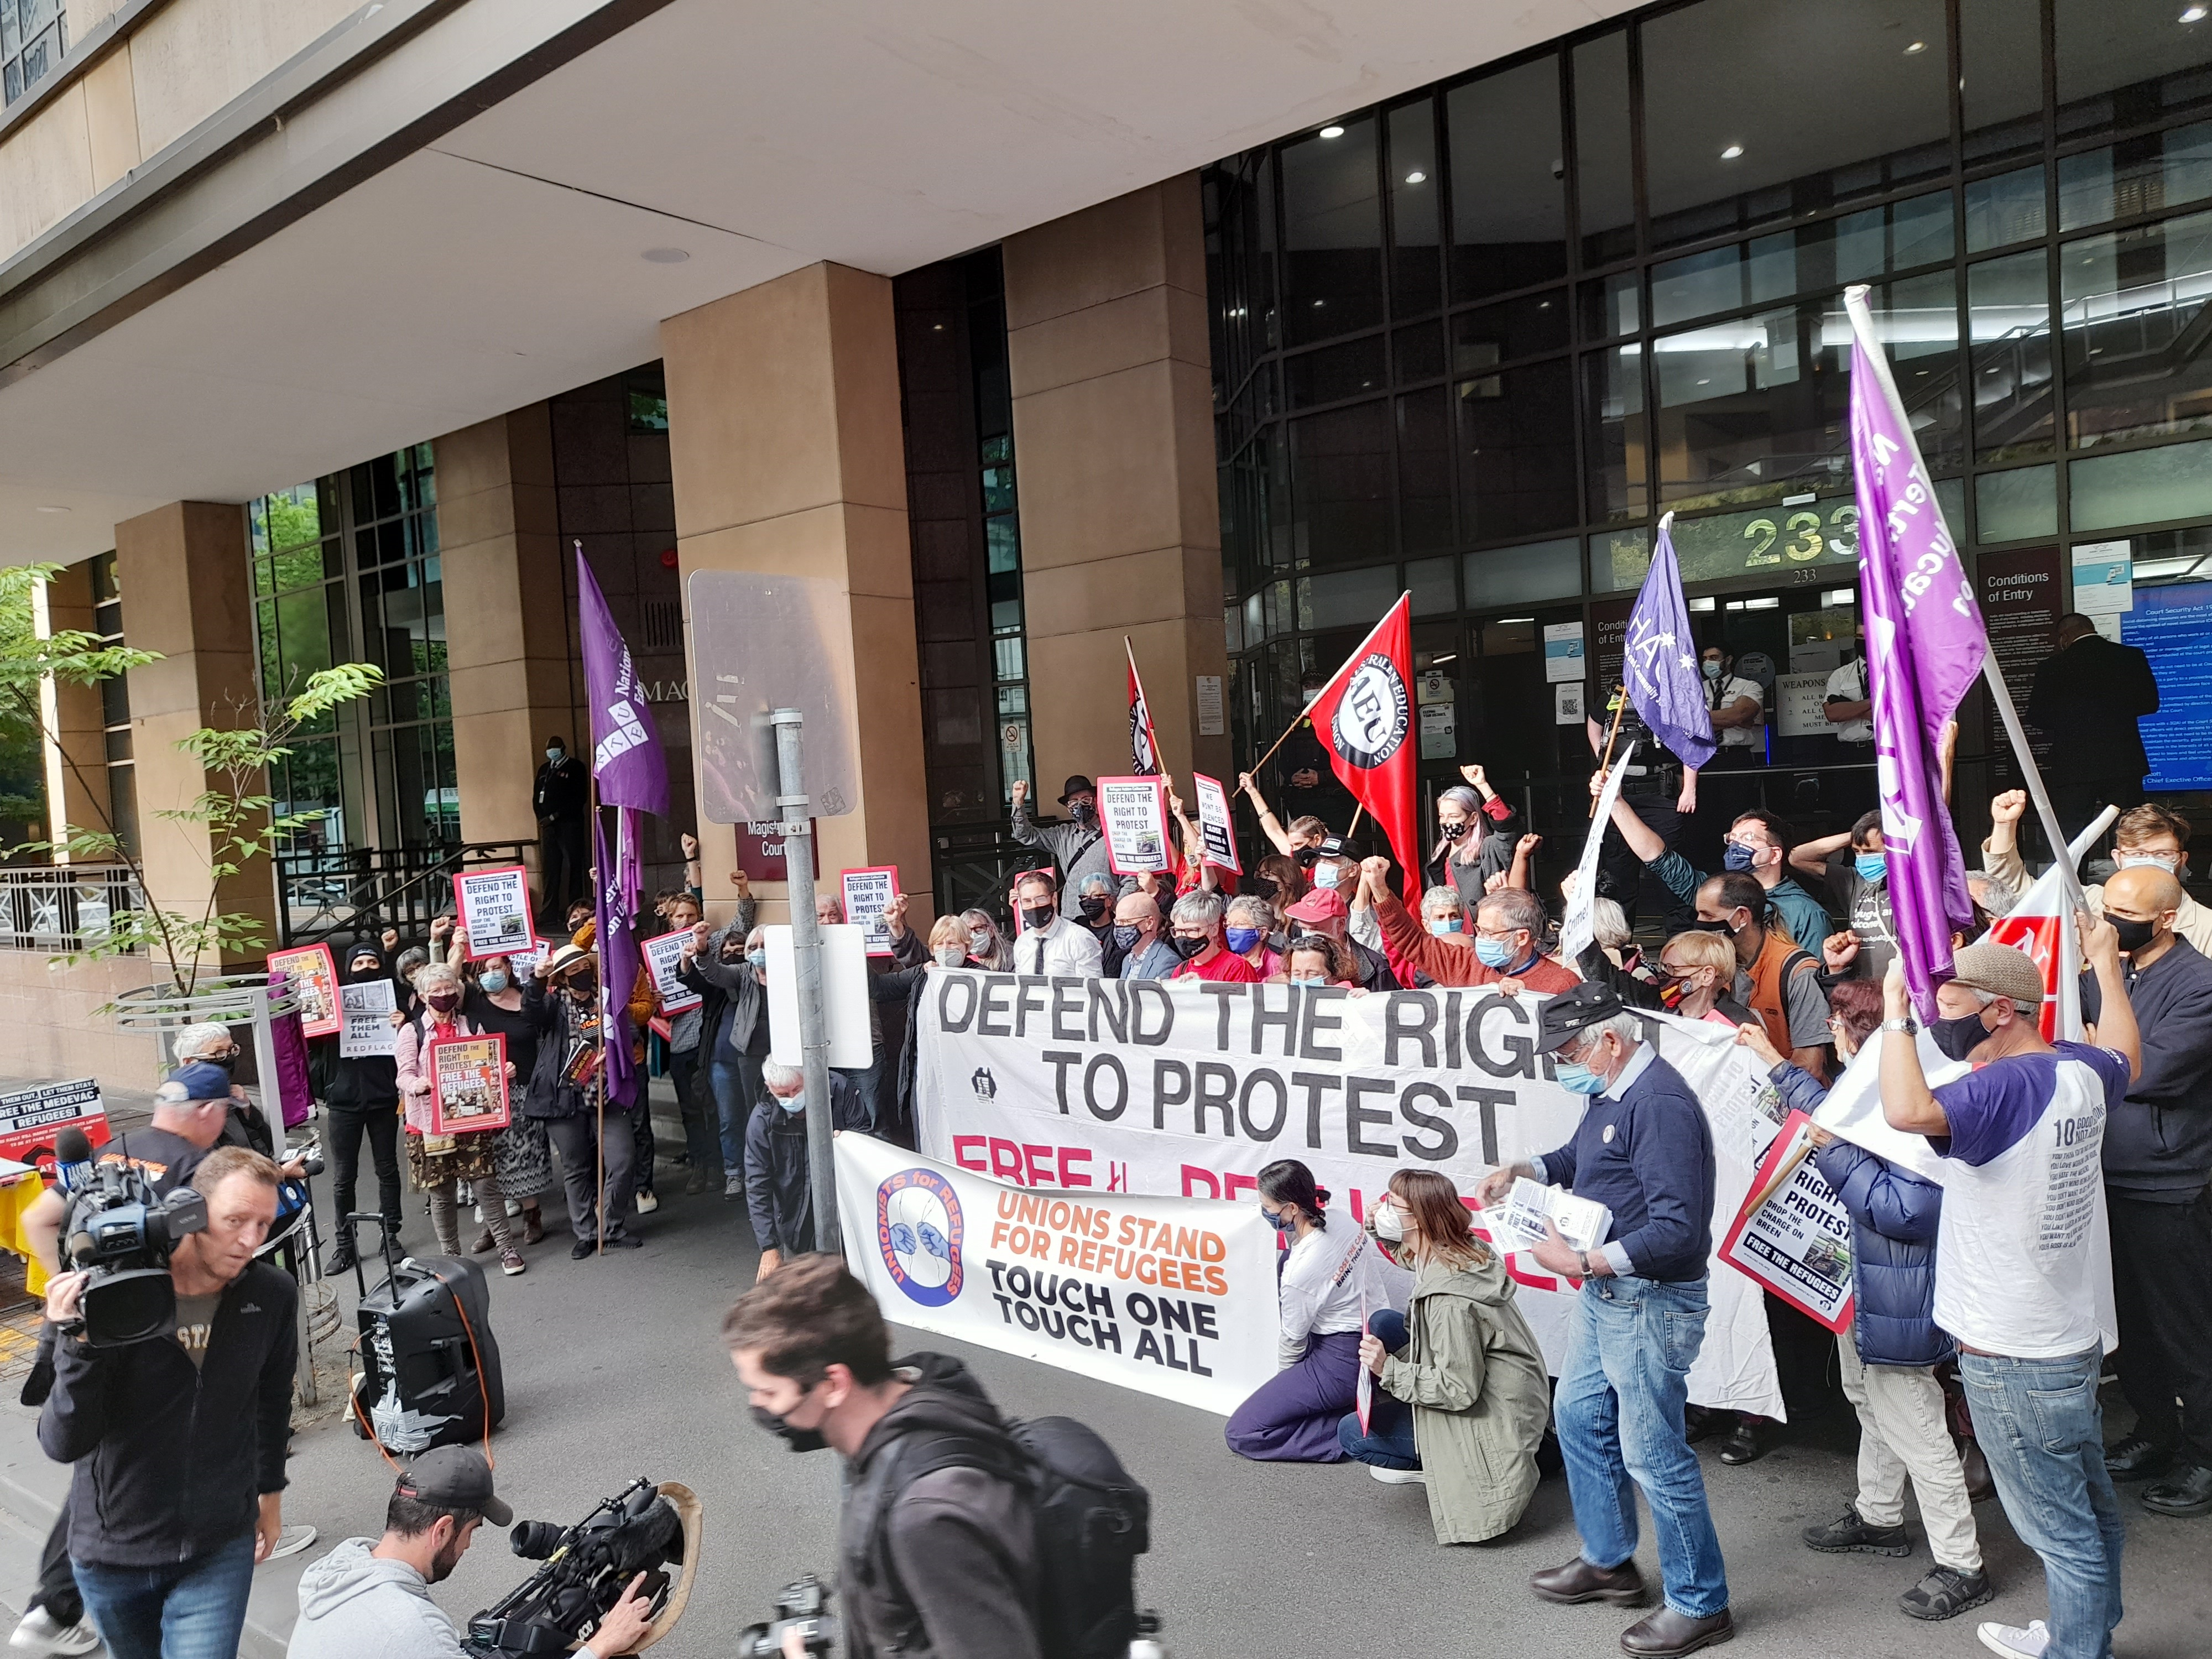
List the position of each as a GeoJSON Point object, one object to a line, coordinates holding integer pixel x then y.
{"type": "Point", "coordinates": [2124, 61]}
{"type": "Point", "coordinates": [1425, 509]}
{"type": "Point", "coordinates": [1340, 484]}
{"type": "Point", "coordinates": [1610, 307]}
{"type": "Point", "coordinates": [1418, 353]}
{"type": "Point", "coordinates": [2017, 506]}
{"type": "Point", "coordinates": [1516, 576]}
{"type": "Point", "coordinates": [2134, 312]}
{"type": "Point", "coordinates": [1874, 115]}
{"type": "Point", "coordinates": [2141, 486]}
{"type": "Point", "coordinates": [1491, 334]}
{"type": "Point", "coordinates": [1416, 277]}
{"type": "Point", "coordinates": [1606, 195]}
{"type": "Point", "coordinates": [2008, 207]}
{"type": "Point", "coordinates": [1334, 373]}
{"type": "Point", "coordinates": [1517, 436]}
{"type": "Point", "coordinates": [1862, 247]}
{"type": "Point", "coordinates": [2009, 312]}
{"type": "Point", "coordinates": [1612, 395]}
{"type": "Point", "coordinates": [2144, 174]}
{"type": "Point", "coordinates": [1349, 599]}
{"type": "Point", "coordinates": [2000, 76]}
{"type": "Point", "coordinates": [1509, 189]}
{"type": "Point", "coordinates": [1432, 583]}
{"type": "Point", "coordinates": [1332, 235]}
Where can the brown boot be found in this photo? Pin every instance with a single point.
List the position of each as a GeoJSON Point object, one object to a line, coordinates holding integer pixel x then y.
{"type": "Point", "coordinates": [1578, 1581]}
{"type": "Point", "coordinates": [484, 1242]}
{"type": "Point", "coordinates": [533, 1225]}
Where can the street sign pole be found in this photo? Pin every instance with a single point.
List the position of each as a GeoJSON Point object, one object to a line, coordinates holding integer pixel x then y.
{"type": "Point", "coordinates": [807, 956]}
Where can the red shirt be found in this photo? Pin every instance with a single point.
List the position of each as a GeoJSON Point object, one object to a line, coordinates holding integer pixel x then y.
{"type": "Point", "coordinates": [1226, 965]}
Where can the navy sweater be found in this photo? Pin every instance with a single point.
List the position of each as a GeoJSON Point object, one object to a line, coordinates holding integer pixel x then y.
{"type": "Point", "coordinates": [2158, 1146]}
{"type": "Point", "coordinates": [1648, 1157]}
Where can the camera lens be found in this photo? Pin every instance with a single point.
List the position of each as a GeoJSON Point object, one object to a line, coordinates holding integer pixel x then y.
{"type": "Point", "coordinates": [534, 1541]}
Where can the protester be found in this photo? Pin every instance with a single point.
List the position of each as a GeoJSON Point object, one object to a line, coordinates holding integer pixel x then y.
{"type": "Point", "coordinates": [1644, 1150]}
{"type": "Point", "coordinates": [1301, 835]}
{"type": "Point", "coordinates": [1249, 930]}
{"type": "Point", "coordinates": [1775, 979]}
{"type": "Point", "coordinates": [1856, 867]}
{"type": "Point", "coordinates": [2158, 1162]}
{"type": "Point", "coordinates": [2149, 836]}
{"type": "Point", "coordinates": [1305, 776]}
{"type": "Point", "coordinates": [1325, 1285]}
{"type": "Point", "coordinates": [1279, 879]}
{"type": "Point", "coordinates": [1475, 838]}
{"type": "Point", "coordinates": [2088, 699]}
{"type": "Point", "coordinates": [1757, 845]}
{"type": "Point", "coordinates": [1508, 930]}
{"type": "Point", "coordinates": [1079, 845]}
{"type": "Point", "coordinates": [694, 1101]}
{"type": "Point", "coordinates": [561, 797]}
{"type": "Point", "coordinates": [1660, 790]}
{"type": "Point", "coordinates": [1462, 1400]}
{"type": "Point", "coordinates": [249, 1124]}
{"type": "Point", "coordinates": [778, 1191]}
{"type": "Point", "coordinates": [1700, 982]}
{"type": "Point", "coordinates": [361, 1096]}
{"type": "Point", "coordinates": [1317, 959]}
{"type": "Point", "coordinates": [729, 970]}
{"type": "Point", "coordinates": [988, 947]}
{"type": "Point", "coordinates": [1201, 935]}
{"type": "Point", "coordinates": [2021, 1260]}
{"type": "Point", "coordinates": [1095, 902]}
{"type": "Point", "coordinates": [178, 1442]}
{"type": "Point", "coordinates": [595, 1144]}
{"type": "Point", "coordinates": [1053, 942]}
{"type": "Point", "coordinates": [1888, 1358]}
{"type": "Point", "coordinates": [948, 948]}
{"type": "Point", "coordinates": [522, 1157]}
{"type": "Point", "coordinates": [1324, 912]}
{"type": "Point", "coordinates": [1138, 936]}
{"type": "Point", "coordinates": [437, 1161]}
{"type": "Point", "coordinates": [945, 1563]}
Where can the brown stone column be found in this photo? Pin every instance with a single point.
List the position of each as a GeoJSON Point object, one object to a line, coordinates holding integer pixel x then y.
{"type": "Point", "coordinates": [183, 571]}
{"type": "Point", "coordinates": [78, 727]}
{"type": "Point", "coordinates": [1107, 351]}
{"type": "Point", "coordinates": [785, 445]}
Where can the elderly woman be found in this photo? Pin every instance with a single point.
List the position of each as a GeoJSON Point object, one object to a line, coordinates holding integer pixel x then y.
{"type": "Point", "coordinates": [1317, 959]}
{"type": "Point", "coordinates": [988, 947]}
{"type": "Point", "coordinates": [436, 1162]}
{"type": "Point", "coordinates": [521, 1155]}
{"type": "Point", "coordinates": [1252, 925]}
{"type": "Point", "coordinates": [248, 1125]}
{"type": "Point", "coordinates": [948, 948]}
{"type": "Point", "coordinates": [1200, 935]}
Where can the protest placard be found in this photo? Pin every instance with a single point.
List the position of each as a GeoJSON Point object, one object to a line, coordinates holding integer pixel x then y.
{"type": "Point", "coordinates": [468, 1084]}
{"type": "Point", "coordinates": [664, 959]}
{"type": "Point", "coordinates": [1213, 825]}
{"type": "Point", "coordinates": [1792, 1235]}
{"type": "Point", "coordinates": [868, 894]}
{"type": "Point", "coordinates": [31, 1118]}
{"type": "Point", "coordinates": [1132, 815]}
{"type": "Point", "coordinates": [367, 1006]}
{"type": "Point", "coordinates": [314, 981]}
{"type": "Point", "coordinates": [494, 909]}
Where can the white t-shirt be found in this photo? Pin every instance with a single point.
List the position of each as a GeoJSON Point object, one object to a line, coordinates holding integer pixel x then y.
{"type": "Point", "coordinates": [2022, 1259]}
{"type": "Point", "coordinates": [1732, 688]}
{"type": "Point", "coordinates": [1849, 682]}
{"type": "Point", "coordinates": [1330, 1282]}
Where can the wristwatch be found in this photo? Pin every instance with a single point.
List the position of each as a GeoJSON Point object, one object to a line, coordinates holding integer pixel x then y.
{"type": "Point", "coordinates": [1902, 1023]}
{"type": "Point", "coordinates": [1581, 1259]}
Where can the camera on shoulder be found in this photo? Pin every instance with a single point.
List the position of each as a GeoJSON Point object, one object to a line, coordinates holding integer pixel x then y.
{"type": "Point", "coordinates": [120, 1232]}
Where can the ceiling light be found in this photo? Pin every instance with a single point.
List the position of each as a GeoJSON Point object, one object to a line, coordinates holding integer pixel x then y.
{"type": "Point", "coordinates": [1917, 46]}
{"type": "Point", "coordinates": [937, 328]}
{"type": "Point", "coordinates": [1417, 177]}
{"type": "Point", "coordinates": [1318, 304]}
{"type": "Point", "coordinates": [1731, 152]}
{"type": "Point", "coordinates": [1705, 383]}
{"type": "Point", "coordinates": [1332, 132]}
{"type": "Point", "coordinates": [2194, 14]}
{"type": "Point", "coordinates": [665, 256]}
{"type": "Point", "coordinates": [53, 509]}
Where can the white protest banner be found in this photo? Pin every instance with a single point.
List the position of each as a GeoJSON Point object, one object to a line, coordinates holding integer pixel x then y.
{"type": "Point", "coordinates": [1170, 1296]}
{"type": "Point", "coordinates": [493, 907]}
{"type": "Point", "coordinates": [868, 894]}
{"type": "Point", "coordinates": [1853, 1108]}
{"type": "Point", "coordinates": [367, 1006]}
{"type": "Point", "coordinates": [1577, 931]}
{"type": "Point", "coordinates": [1213, 824]}
{"type": "Point", "coordinates": [1188, 1088]}
{"type": "Point", "coordinates": [664, 960]}
{"type": "Point", "coordinates": [1132, 815]}
{"type": "Point", "coordinates": [1793, 1235]}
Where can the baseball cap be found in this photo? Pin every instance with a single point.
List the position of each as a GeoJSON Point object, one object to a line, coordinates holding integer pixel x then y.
{"type": "Point", "coordinates": [200, 1081]}
{"type": "Point", "coordinates": [2001, 970]}
{"type": "Point", "coordinates": [454, 1478]}
{"type": "Point", "coordinates": [1323, 904]}
{"type": "Point", "coordinates": [1568, 1014]}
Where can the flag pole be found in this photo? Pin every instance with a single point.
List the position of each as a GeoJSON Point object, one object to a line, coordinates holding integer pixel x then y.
{"type": "Point", "coordinates": [1620, 707]}
{"type": "Point", "coordinates": [606, 1026]}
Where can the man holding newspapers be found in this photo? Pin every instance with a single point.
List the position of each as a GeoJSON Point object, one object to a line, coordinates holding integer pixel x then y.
{"type": "Point", "coordinates": [1645, 1153]}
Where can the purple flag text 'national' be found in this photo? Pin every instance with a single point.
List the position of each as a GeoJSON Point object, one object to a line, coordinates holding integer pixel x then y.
{"type": "Point", "coordinates": [1659, 664]}
{"type": "Point", "coordinates": [1925, 645]}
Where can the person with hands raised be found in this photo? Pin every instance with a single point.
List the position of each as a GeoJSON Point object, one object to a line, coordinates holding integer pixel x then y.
{"type": "Point", "coordinates": [1475, 836]}
{"type": "Point", "coordinates": [1079, 845]}
{"type": "Point", "coordinates": [1508, 931]}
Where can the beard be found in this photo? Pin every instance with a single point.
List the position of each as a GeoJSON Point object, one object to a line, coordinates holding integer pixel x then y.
{"type": "Point", "coordinates": [443, 1563]}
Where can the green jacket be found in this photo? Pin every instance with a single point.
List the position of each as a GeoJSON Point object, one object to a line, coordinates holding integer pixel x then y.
{"type": "Point", "coordinates": [1474, 1376]}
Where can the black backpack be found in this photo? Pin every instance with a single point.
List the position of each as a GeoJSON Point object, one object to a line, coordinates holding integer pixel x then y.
{"type": "Point", "coordinates": [1093, 1520]}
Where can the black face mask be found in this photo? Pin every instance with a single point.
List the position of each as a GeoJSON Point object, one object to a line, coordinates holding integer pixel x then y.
{"type": "Point", "coordinates": [229, 1063]}
{"type": "Point", "coordinates": [1702, 926]}
{"type": "Point", "coordinates": [799, 1440]}
{"type": "Point", "coordinates": [2134, 935]}
{"type": "Point", "coordinates": [1453, 831]}
{"type": "Point", "coordinates": [1093, 907]}
{"type": "Point", "coordinates": [1958, 1038]}
{"type": "Point", "coordinates": [583, 986]}
{"type": "Point", "coordinates": [1082, 811]}
{"type": "Point", "coordinates": [1037, 917]}
{"type": "Point", "coordinates": [1188, 948]}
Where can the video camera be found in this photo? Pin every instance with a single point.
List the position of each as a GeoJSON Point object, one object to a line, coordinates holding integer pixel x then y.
{"type": "Point", "coordinates": [643, 1528]}
{"type": "Point", "coordinates": [117, 1230]}
{"type": "Point", "coordinates": [802, 1605]}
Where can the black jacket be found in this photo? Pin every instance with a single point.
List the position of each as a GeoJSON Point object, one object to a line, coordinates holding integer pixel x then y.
{"type": "Point", "coordinates": [2086, 701]}
{"type": "Point", "coordinates": [776, 1188]}
{"type": "Point", "coordinates": [725, 988]}
{"type": "Point", "coordinates": [561, 791]}
{"type": "Point", "coordinates": [953, 1568]}
{"type": "Point", "coordinates": [901, 986]}
{"type": "Point", "coordinates": [554, 1016]}
{"type": "Point", "coordinates": [2158, 1145]}
{"type": "Point", "coordinates": [171, 1460]}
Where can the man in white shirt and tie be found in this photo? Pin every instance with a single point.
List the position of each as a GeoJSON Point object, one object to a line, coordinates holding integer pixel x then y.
{"type": "Point", "coordinates": [1049, 944]}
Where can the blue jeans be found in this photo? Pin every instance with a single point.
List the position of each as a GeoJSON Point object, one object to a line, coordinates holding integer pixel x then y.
{"type": "Point", "coordinates": [2038, 1423]}
{"type": "Point", "coordinates": [1389, 1442]}
{"type": "Point", "coordinates": [1619, 1412]}
{"type": "Point", "coordinates": [189, 1610]}
{"type": "Point", "coordinates": [737, 1086]}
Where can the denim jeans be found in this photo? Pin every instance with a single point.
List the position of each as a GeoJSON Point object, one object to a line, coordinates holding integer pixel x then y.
{"type": "Point", "coordinates": [737, 1086]}
{"type": "Point", "coordinates": [1389, 1442]}
{"type": "Point", "coordinates": [188, 1610]}
{"type": "Point", "coordinates": [1618, 1411]}
{"type": "Point", "coordinates": [2038, 1423]}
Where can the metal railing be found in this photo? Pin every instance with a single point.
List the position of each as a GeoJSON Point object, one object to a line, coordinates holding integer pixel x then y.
{"type": "Point", "coordinates": [57, 909]}
{"type": "Point", "coordinates": [361, 889]}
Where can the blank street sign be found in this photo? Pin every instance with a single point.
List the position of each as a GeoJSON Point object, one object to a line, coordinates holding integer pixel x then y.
{"type": "Point", "coordinates": [760, 643]}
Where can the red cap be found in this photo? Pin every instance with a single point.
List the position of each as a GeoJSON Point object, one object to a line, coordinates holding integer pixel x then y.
{"type": "Point", "coordinates": [1323, 904]}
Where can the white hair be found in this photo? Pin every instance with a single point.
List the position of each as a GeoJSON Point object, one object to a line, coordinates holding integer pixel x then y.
{"type": "Point", "coordinates": [778, 1078]}
{"type": "Point", "coordinates": [1623, 1025]}
{"type": "Point", "coordinates": [1610, 924]}
{"type": "Point", "coordinates": [196, 1039]}
{"type": "Point", "coordinates": [1197, 908]}
{"type": "Point", "coordinates": [438, 973]}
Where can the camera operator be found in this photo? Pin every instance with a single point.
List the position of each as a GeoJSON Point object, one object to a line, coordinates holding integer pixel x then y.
{"type": "Point", "coordinates": [372, 1599]}
{"type": "Point", "coordinates": [949, 1566]}
{"type": "Point", "coordinates": [179, 1440]}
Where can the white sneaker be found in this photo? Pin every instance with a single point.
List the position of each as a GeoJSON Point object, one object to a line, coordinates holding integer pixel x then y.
{"type": "Point", "coordinates": [648, 1203]}
{"type": "Point", "coordinates": [733, 1185]}
{"type": "Point", "coordinates": [291, 1540]}
{"type": "Point", "coordinates": [2014, 1641]}
{"type": "Point", "coordinates": [1398, 1477]}
{"type": "Point", "coordinates": [39, 1632]}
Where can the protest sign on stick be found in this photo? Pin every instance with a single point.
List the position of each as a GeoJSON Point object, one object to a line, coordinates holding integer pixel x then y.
{"type": "Point", "coordinates": [367, 1006]}
{"type": "Point", "coordinates": [492, 907]}
{"type": "Point", "coordinates": [1132, 815]}
{"type": "Point", "coordinates": [314, 981]}
{"type": "Point", "coordinates": [1214, 823]}
{"type": "Point", "coordinates": [1792, 1235]}
{"type": "Point", "coordinates": [867, 894]}
{"type": "Point", "coordinates": [664, 959]}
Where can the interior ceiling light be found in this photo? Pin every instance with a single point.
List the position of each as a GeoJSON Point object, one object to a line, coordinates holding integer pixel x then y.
{"type": "Point", "coordinates": [1917, 46]}
{"type": "Point", "coordinates": [1417, 177]}
{"type": "Point", "coordinates": [665, 256]}
{"type": "Point", "coordinates": [1731, 152]}
{"type": "Point", "coordinates": [2194, 14]}
{"type": "Point", "coordinates": [53, 509]}
{"type": "Point", "coordinates": [1332, 132]}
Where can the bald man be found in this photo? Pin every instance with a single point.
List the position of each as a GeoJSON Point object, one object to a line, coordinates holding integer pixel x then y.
{"type": "Point", "coordinates": [2158, 1162]}
{"type": "Point", "coordinates": [1137, 935]}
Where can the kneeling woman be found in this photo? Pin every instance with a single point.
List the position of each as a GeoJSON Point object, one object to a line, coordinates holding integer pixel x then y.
{"type": "Point", "coordinates": [1463, 1397]}
{"type": "Point", "coordinates": [1330, 1271]}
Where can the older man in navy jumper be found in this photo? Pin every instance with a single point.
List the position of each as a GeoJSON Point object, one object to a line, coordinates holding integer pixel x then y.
{"type": "Point", "coordinates": [1644, 1150]}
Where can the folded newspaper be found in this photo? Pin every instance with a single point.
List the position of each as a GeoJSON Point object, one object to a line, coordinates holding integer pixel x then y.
{"type": "Point", "coordinates": [1518, 1224]}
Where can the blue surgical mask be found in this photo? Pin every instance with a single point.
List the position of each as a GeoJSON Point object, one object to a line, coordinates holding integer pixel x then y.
{"type": "Point", "coordinates": [1281, 1220]}
{"type": "Point", "coordinates": [1492, 953]}
{"type": "Point", "coordinates": [1126, 936]}
{"type": "Point", "coordinates": [1443, 926]}
{"type": "Point", "coordinates": [1573, 1075]}
{"type": "Point", "coordinates": [554, 754]}
{"type": "Point", "coordinates": [1871, 867]}
{"type": "Point", "coordinates": [758, 958]}
{"type": "Point", "coordinates": [1737, 856]}
{"type": "Point", "coordinates": [1711, 668]}
{"type": "Point", "coordinates": [1308, 978]}
{"type": "Point", "coordinates": [493, 982]}
{"type": "Point", "coordinates": [1325, 875]}
{"type": "Point", "coordinates": [794, 1104]}
{"type": "Point", "coordinates": [1241, 939]}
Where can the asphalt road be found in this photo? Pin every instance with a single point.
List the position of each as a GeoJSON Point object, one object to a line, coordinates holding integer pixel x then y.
{"type": "Point", "coordinates": [615, 1369]}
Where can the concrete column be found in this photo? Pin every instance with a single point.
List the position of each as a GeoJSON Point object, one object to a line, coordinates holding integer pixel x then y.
{"type": "Point", "coordinates": [182, 570]}
{"type": "Point", "coordinates": [786, 450]}
{"type": "Point", "coordinates": [80, 767]}
{"type": "Point", "coordinates": [1114, 463]}
{"type": "Point", "coordinates": [507, 650]}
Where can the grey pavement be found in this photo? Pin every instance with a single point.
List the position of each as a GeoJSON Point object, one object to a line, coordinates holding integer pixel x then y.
{"type": "Point", "coordinates": [615, 1369]}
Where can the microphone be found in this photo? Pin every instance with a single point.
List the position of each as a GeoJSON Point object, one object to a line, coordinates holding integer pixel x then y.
{"type": "Point", "coordinates": [73, 1160]}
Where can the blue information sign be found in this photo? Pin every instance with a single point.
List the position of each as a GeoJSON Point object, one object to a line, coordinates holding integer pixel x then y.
{"type": "Point", "coordinates": [2171, 625]}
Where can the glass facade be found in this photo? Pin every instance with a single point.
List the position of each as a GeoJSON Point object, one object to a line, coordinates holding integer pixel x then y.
{"type": "Point", "coordinates": [1473, 342]}
{"type": "Point", "coordinates": [346, 569]}
{"type": "Point", "coordinates": [33, 35]}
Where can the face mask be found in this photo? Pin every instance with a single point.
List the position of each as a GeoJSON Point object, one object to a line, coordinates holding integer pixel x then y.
{"type": "Point", "coordinates": [2134, 935]}
{"type": "Point", "coordinates": [1093, 906]}
{"type": "Point", "coordinates": [758, 958]}
{"type": "Point", "coordinates": [1188, 948]}
{"type": "Point", "coordinates": [1126, 936]}
{"type": "Point", "coordinates": [1737, 856]}
{"type": "Point", "coordinates": [1442, 926]}
{"type": "Point", "coordinates": [1703, 927]}
{"type": "Point", "coordinates": [493, 982]}
{"type": "Point", "coordinates": [1453, 831]}
{"type": "Point", "coordinates": [229, 1063]}
{"type": "Point", "coordinates": [1711, 668]}
{"type": "Point", "coordinates": [1325, 875]}
{"type": "Point", "coordinates": [444, 1001]}
{"type": "Point", "coordinates": [1959, 1037]}
{"type": "Point", "coordinates": [799, 1440]}
{"type": "Point", "coordinates": [583, 986]}
{"type": "Point", "coordinates": [1492, 953]}
{"type": "Point", "coordinates": [1573, 1075]}
{"type": "Point", "coordinates": [1871, 867]}
{"type": "Point", "coordinates": [1037, 917]}
{"type": "Point", "coordinates": [951, 956]}
{"type": "Point", "coordinates": [792, 1105]}
{"type": "Point", "coordinates": [1672, 992]}
{"type": "Point", "coordinates": [1308, 978]}
{"type": "Point", "coordinates": [2169, 862]}
{"type": "Point", "coordinates": [1241, 939]}
{"type": "Point", "coordinates": [1083, 812]}
{"type": "Point", "coordinates": [1281, 1220]}
{"type": "Point", "coordinates": [1390, 1222]}
{"type": "Point", "coordinates": [554, 754]}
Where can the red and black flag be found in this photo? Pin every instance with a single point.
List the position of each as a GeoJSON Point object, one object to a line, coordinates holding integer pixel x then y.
{"type": "Point", "coordinates": [1364, 717]}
